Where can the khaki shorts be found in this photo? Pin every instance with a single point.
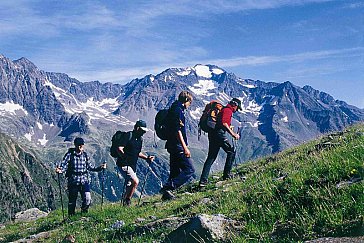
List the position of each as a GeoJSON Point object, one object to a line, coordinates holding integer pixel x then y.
{"type": "Point", "coordinates": [128, 173]}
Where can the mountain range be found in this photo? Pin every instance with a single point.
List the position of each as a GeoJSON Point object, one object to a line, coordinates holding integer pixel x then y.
{"type": "Point", "coordinates": [46, 110]}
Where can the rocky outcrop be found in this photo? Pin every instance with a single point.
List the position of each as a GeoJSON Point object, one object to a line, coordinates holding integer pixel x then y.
{"type": "Point", "coordinates": [29, 215]}
{"type": "Point", "coordinates": [204, 228]}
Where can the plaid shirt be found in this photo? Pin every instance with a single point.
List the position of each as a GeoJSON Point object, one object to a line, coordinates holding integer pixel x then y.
{"type": "Point", "coordinates": [80, 165]}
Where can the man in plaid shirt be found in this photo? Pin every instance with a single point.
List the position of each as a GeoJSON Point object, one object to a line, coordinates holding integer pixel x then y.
{"type": "Point", "coordinates": [76, 163]}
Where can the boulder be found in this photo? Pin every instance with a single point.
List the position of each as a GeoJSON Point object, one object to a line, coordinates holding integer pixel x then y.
{"type": "Point", "coordinates": [166, 223]}
{"type": "Point", "coordinates": [204, 228]}
{"type": "Point", "coordinates": [29, 215]}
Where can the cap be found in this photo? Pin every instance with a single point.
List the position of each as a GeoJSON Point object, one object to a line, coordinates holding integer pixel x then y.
{"type": "Point", "coordinates": [237, 102]}
{"type": "Point", "coordinates": [142, 124]}
{"type": "Point", "coordinates": [78, 141]}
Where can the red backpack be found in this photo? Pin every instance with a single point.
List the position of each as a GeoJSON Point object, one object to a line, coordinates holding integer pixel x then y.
{"type": "Point", "coordinates": [209, 116]}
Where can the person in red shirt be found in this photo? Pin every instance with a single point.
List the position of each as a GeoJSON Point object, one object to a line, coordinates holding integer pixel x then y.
{"type": "Point", "coordinates": [218, 139]}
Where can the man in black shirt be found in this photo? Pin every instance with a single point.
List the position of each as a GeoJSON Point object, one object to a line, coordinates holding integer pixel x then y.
{"type": "Point", "coordinates": [129, 150]}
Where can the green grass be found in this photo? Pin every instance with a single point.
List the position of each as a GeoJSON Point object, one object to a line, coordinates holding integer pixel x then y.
{"type": "Point", "coordinates": [290, 196]}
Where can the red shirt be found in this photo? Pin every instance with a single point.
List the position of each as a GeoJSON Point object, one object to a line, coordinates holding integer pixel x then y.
{"type": "Point", "coordinates": [225, 115]}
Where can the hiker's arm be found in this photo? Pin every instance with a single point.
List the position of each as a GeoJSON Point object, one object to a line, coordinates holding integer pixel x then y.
{"type": "Point", "coordinates": [230, 131]}
{"type": "Point", "coordinates": [121, 150]}
{"type": "Point", "coordinates": [91, 166]}
{"type": "Point", "coordinates": [182, 141]}
{"type": "Point", "coordinates": [149, 158]}
{"type": "Point", "coordinates": [64, 164]}
{"type": "Point", "coordinates": [99, 168]}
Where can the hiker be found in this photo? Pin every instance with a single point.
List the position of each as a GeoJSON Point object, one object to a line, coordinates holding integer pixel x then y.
{"type": "Point", "coordinates": [129, 149]}
{"type": "Point", "coordinates": [76, 163]}
{"type": "Point", "coordinates": [218, 139]}
{"type": "Point", "coordinates": [181, 167]}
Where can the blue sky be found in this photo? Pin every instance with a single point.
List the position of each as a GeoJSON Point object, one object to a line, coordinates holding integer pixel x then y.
{"type": "Point", "coordinates": [315, 42]}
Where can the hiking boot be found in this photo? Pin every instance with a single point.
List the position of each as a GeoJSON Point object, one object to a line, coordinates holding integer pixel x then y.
{"type": "Point", "coordinates": [202, 184]}
{"type": "Point", "coordinates": [127, 202]}
{"type": "Point", "coordinates": [84, 209]}
{"type": "Point", "coordinates": [227, 177]}
{"type": "Point", "coordinates": [167, 195]}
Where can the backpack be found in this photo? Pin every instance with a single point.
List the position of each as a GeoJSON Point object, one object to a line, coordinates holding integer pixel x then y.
{"type": "Point", "coordinates": [160, 124]}
{"type": "Point", "coordinates": [116, 140]}
{"type": "Point", "coordinates": [209, 116]}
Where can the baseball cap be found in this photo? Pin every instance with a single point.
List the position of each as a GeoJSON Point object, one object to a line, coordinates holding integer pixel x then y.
{"type": "Point", "coordinates": [237, 102]}
{"type": "Point", "coordinates": [142, 124]}
{"type": "Point", "coordinates": [78, 141]}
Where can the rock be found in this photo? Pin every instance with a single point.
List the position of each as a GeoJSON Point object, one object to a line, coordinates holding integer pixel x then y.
{"type": "Point", "coordinates": [205, 200]}
{"type": "Point", "coordinates": [152, 217]}
{"type": "Point", "coordinates": [85, 219]}
{"type": "Point", "coordinates": [281, 178]}
{"type": "Point", "coordinates": [169, 223]}
{"type": "Point", "coordinates": [29, 215]}
{"type": "Point", "coordinates": [139, 220]}
{"type": "Point", "coordinates": [349, 182]}
{"type": "Point", "coordinates": [36, 238]}
{"type": "Point", "coordinates": [219, 184]}
{"type": "Point", "coordinates": [2, 226]}
{"type": "Point", "coordinates": [204, 228]}
{"type": "Point", "coordinates": [118, 224]}
{"type": "Point", "coordinates": [69, 239]}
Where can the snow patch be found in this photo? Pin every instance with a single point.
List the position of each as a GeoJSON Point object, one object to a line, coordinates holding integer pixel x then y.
{"type": "Point", "coordinates": [113, 191]}
{"type": "Point", "coordinates": [10, 107]}
{"type": "Point", "coordinates": [217, 71]}
{"type": "Point", "coordinates": [203, 87]}
{"type": "Point", "coordinates": [224, 97]}
{"type": "Point", "coordinates": [249, 86]}
{"type": "Point", "coordinates": [285, 119]}
{"type": "Point", "coordinates": [29, 135]}
{"type": "Point", "coordinates": [196, 114]}
{"type": "Point", "coordinates": [251, 107]}
{"type": "Point", "coordinates": [43, 141]}
{"type": "Point", "coordinates": [39, 126]}
{"type": "Point", "coordinates": [151, 78]}
{"type": "Point", "coordinates": [184, 72]}
{"type": "Point", "coordinates": [203, 71]}
{"type": "Point", "coordinates": [255, 124]}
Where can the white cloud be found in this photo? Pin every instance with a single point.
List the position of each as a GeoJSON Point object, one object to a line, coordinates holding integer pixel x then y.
{"type": "Point", "coordinates": [299, 57]}
{"type": "Point", "coordinates": [127, 74]}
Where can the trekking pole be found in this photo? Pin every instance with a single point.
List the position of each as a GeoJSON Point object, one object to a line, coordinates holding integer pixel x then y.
{"type": "Point", "coordinates": [155, 175]}
{"type": "Point", "coordinates": [102, 186]}
{"type": "Point", "coordinates": [60, 192]}
{"type": "Point", "coordinates": [235, 149]}
{"type": "Point", "coordinates": [145, 180]}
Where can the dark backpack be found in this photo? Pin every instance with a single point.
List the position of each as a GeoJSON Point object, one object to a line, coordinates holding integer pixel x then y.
{"type": "Point", "coordinates": [116, 142]}
{"type": "Point", "coordinates": [160, 124]}
{"type": "Point", "coordinates": [209, 116]}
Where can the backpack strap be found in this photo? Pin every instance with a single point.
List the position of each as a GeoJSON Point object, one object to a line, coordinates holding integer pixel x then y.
{"type": "Point", "coordinates": [130, 135]}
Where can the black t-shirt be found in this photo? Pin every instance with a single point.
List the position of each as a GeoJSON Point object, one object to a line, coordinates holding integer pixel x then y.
{"type": "Point", "coordinates": [132, 147]}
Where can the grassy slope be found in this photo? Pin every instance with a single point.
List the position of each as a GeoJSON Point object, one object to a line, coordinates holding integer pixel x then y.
{"type": "Point", "coordinates": [290, 196]}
